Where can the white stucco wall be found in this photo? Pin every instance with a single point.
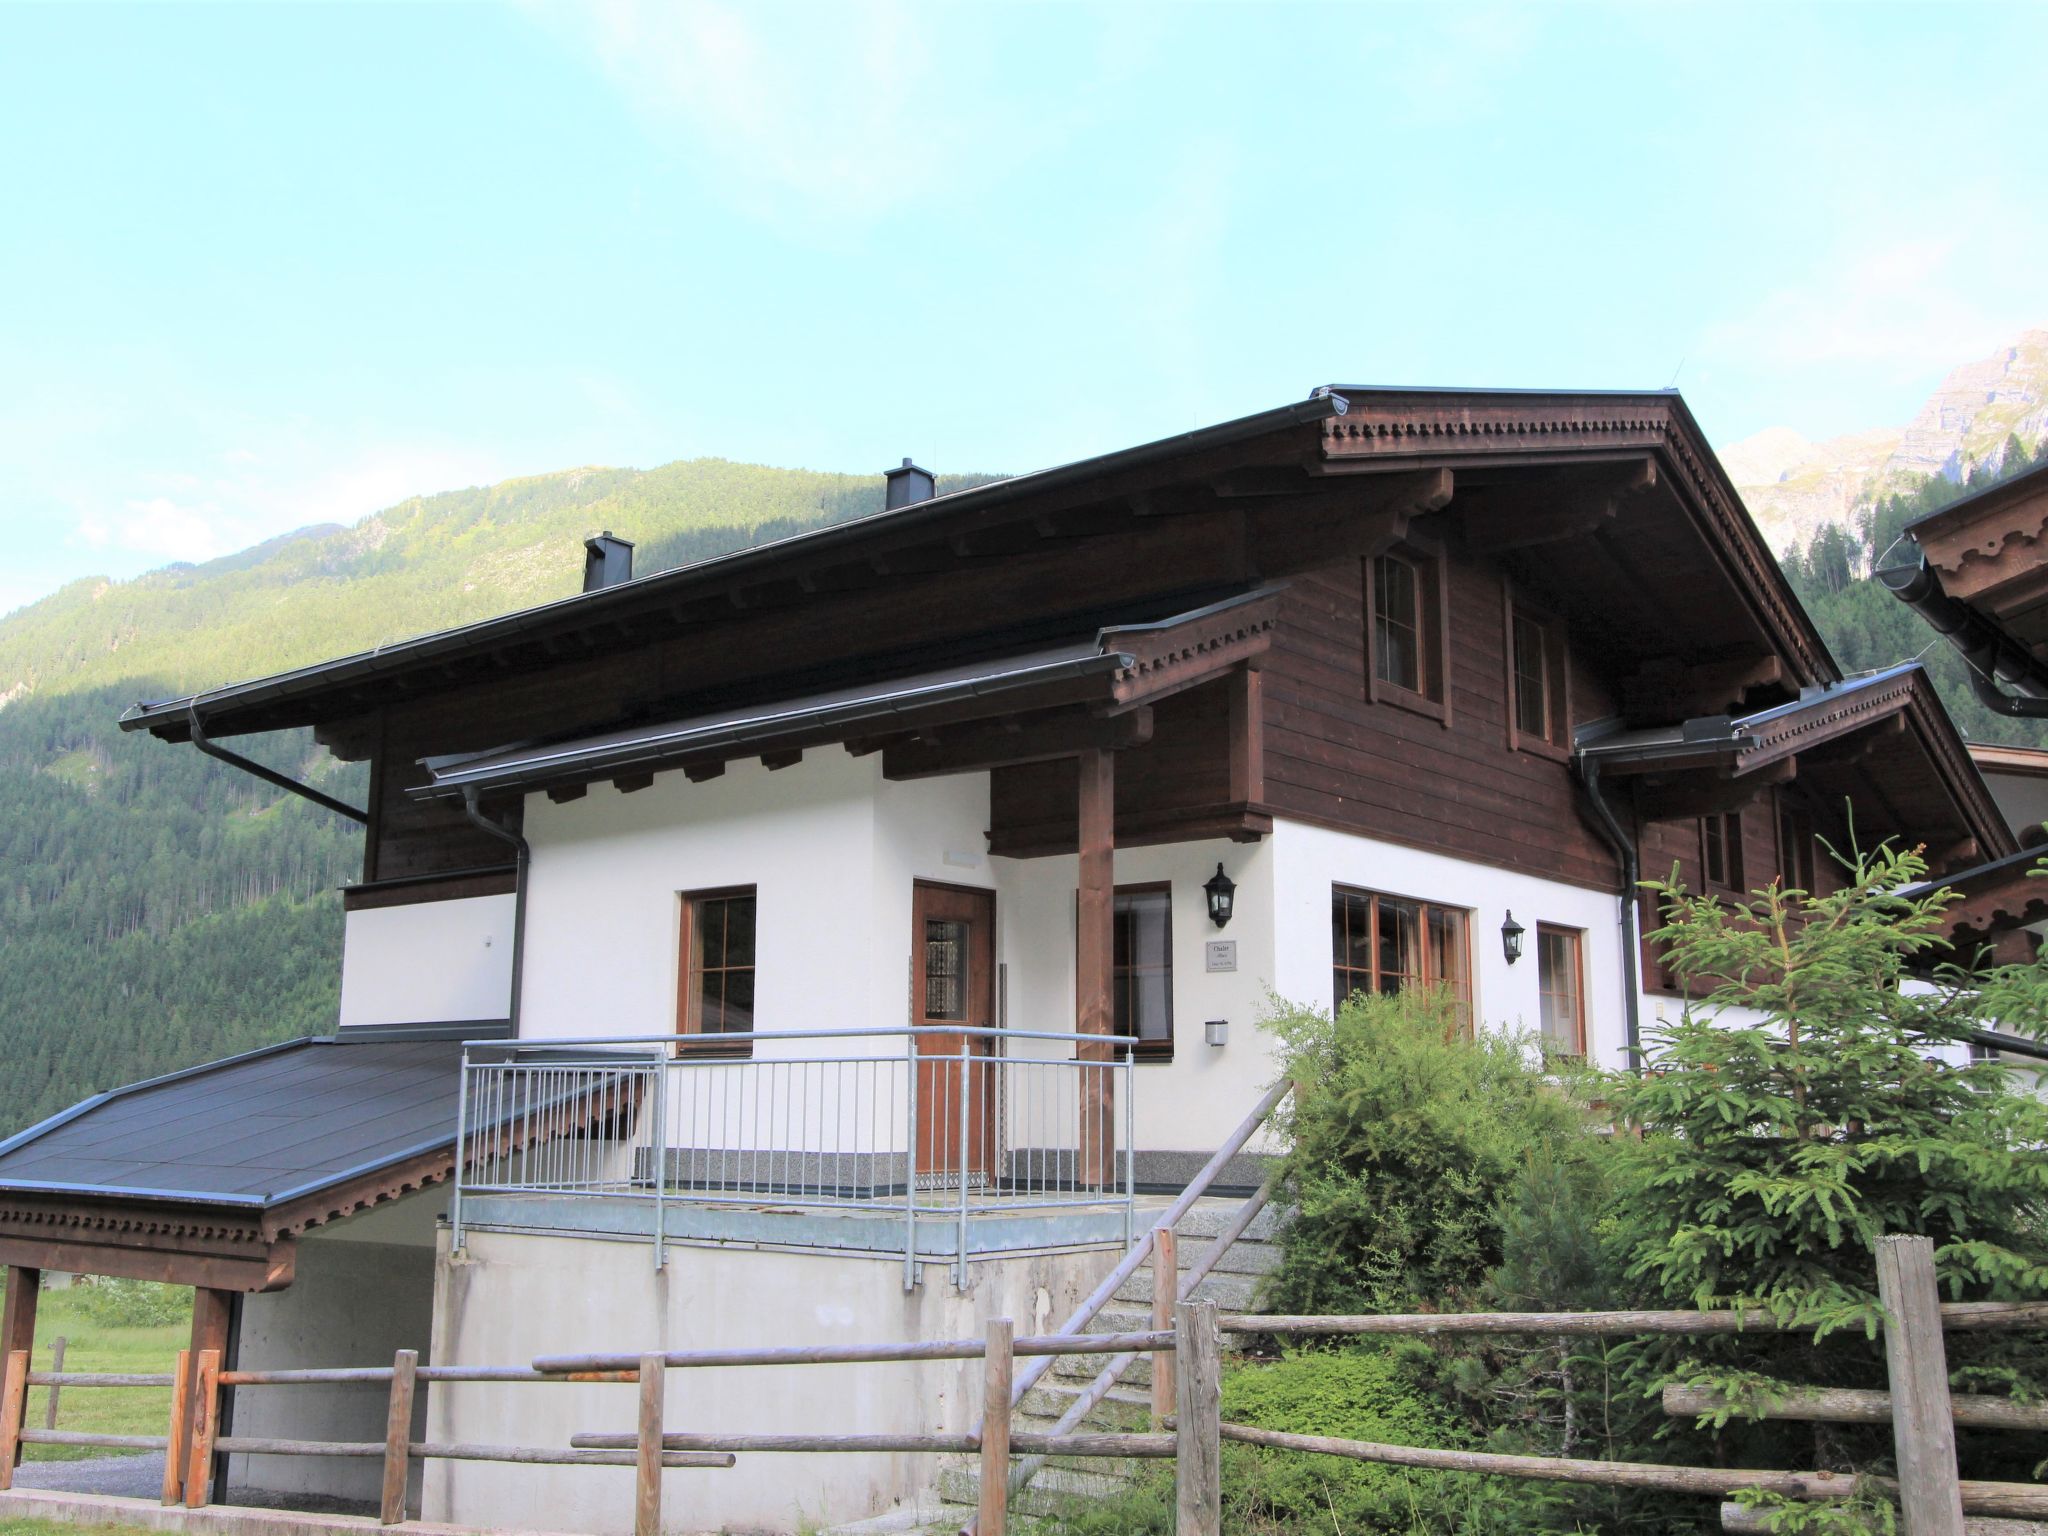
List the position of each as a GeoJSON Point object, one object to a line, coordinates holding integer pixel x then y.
{"type": "Point", "coordinates": [512, 1296]}
{"type": "Point", "coordinates": [363, 1291]}
{"type": "Point", "coordinates": [428, 961]}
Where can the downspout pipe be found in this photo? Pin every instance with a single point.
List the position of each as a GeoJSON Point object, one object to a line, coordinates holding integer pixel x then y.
{"type": "Point", "coordinates": [1631, 871]}
{"type": "Point", "coordinates": [504, 834]}
{"type": "Point", "coordinates": [1992, 658]}
{"type": "Point", "coordinates": [269, 775]}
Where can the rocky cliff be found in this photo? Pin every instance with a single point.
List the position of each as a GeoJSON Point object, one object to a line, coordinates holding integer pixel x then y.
{"type": "Point", "coordinates": [1794, 486]}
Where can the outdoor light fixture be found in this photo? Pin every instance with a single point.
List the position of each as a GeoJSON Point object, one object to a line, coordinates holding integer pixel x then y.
{"type": "Point", "coordinates": [1511, 939]}
{"type": "Point", "coordinates": [1216, 1031]}
{"type": "Point", "coordinates": [1222, 894]}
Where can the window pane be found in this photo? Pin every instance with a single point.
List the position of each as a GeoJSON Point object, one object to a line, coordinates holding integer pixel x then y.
{"type": "Point", "coordinates": [711, 1003]}
{"type": "Point", "coordinates": [1557, 961]}
{"type": "Point", "coordinates": [739, 1001]}
{"type": "Point", "coordinates": [1400, 944]}
{"type": "Point", "coordinates": [1397, 628]}
{"type": "Point", "coordinates": [945, 968]}
{"type": "Point", "coordinates": [1532, 679]}
{"type": "Point", "coordinates": [1144, 964]}
{"type": "Point", "coordinates": [710, 933]}
{"type": "Point", "coordinates": [1448, 953]}
{"type": "Point", "coordinates": [739, 930]}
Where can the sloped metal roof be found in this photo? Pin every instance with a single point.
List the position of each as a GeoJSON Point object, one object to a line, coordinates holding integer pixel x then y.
{"type": "Point", "coordinates": [252, 1130]}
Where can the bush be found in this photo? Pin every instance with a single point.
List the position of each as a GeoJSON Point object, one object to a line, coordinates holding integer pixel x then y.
{"type": "Point", "coordinates": [1406, 1140]}
{"type": "Point", "coordinates": [132, 1303]}
{"type": "Point", "coordinates": [1360, 1393]}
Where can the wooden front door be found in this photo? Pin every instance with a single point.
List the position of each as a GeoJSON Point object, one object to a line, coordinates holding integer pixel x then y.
{"type": "Point", "coordinates": [952, 982]}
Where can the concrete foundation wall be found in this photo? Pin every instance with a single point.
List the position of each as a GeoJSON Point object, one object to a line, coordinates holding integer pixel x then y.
{"type": "Point", "coordinates": [364, 1290]}
{"type": "Point", "coordinates": [512, 1296]}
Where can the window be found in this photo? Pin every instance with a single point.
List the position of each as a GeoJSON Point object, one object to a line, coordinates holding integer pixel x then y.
{"type": "Point", "coordinates": [717, 970]}
{"type": "Point", "coordinates": [1795, 847]}
{"type": "Point", "coordinates": [1387, 944]}
{"type": "Point", "coordinates": [1559, 976]}
{"type": "Point", "coordinates": [1143, 953]}
{"type": "Point", "coordinates": [1721, 850]}
{"type": "Point", "coordinates": [1407, 661]}
{"type": "Point", "coordinates": [1539, 714]}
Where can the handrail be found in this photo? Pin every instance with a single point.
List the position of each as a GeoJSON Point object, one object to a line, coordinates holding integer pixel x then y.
{"type": "Point", "coordinates": [892, 1032]}
{"type": "Point", "coordinates": [1084, 1314]}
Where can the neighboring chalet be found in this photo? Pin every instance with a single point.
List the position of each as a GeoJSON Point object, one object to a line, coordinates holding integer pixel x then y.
{"type": "Point", "coordinates": [851, 848]}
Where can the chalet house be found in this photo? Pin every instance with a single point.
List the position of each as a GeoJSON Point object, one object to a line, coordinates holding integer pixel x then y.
{"type": "Point", "coordinates": [844, 939]}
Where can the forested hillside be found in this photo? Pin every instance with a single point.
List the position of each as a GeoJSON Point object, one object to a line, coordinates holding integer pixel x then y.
{"type": "Point", "coordinates": [1866, 627]}
{"type": "Point", "coordinates": [158, 908]}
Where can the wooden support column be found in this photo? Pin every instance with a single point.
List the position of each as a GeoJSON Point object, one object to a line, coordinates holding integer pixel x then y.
{"type": "Point", "coordinates": [648, 1460]}
{"type": "Point", "coordinates": [995, 1428]}
{"type": "Point", "coordinates": [212, 1316]}
{"type": "Point", "coordinates": [18, 1334]}
{"type": "Point", "coordinates": [1923, 1423]}
{"type": "Point", "coordinates": [1247, 737]}
{"type": "Point", "coordinates": [1165, 1290]}
{"type": "Point", "coordinates": [1198, 1448]}
{"type": "Point", "coordinates": [1095, 963]}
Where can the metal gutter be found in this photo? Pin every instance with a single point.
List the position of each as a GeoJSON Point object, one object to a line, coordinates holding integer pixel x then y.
{"type": "Point", "coordinates": [734, 738]}
{"type": "Point", "coordinates": [522, 860]}
{"type": "Point", "coordinates": [1992, 656]}
{"type": "Point", "coordinates": [597, 605]}
{"type": "Point", "coordinates": [270, 775]}
{"type": "Point", "coordinates": [1625, 915]}
{"type": "Point", "coordinates": [2012, 1045]}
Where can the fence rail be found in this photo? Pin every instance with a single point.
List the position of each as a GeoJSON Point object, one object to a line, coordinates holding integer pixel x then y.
{"type": "Point", "coordinates": [934, 1125]}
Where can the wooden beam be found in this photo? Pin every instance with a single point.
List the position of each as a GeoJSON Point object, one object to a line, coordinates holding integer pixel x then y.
{"type": "Point", "coordinates": [1248, 737]}
{"type": "Point", "coordinates": [775, 762]}
{"type": "Point", "coordinates": [1923, 1422]}
{"type": "Point", "coordinates": [268, 1269]}
{"type": "Point", "coordinates": [632, 783]}
{"type": "Point", "coordinates": [1669, 689]}
{"type": "Point", "coordinates": [1705, 794]}
{"type": "Point", "coordinates": [1577, 507]}
{"type": "Point", "coordinates": [24, 1289]}
{"type": "Point", "coordinates": [1354, 520]}
{"type": "Point", "coordinates": [703, 773]}
{"type": "Point", "coordinates": [1002, 743]}
{"type": "Point", "coordinates": [562, 794]}
{"type": "Point", "coordinates": [1096, 964]}
{"type": "Point", "coordinates": [212, 1319]}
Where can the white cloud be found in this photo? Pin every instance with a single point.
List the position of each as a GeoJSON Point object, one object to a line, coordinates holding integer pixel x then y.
{"type": "Point", "coordinates": [1899, 311]}
{"type": "Point", "coordinates": [159, 528]}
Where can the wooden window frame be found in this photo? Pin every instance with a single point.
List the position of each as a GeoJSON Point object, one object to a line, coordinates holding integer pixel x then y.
{"type": "Point", "coordinates": [1797, 845]}
{"type": "Point", "coordinates": [1577, 939]}
{"type": "Point", "coordinates": [1731, 822]}
{"type": "Point", "coordinates": [1464, 994]}
{"type": "Point", "coordinates": [1148, 1050]}
{"type": "Point", "coordinates": [1433, 650]}
{"type": "Point", "coordinates": [1556, 741]}
{"type": "Point", "coordinates": [690, 1037]}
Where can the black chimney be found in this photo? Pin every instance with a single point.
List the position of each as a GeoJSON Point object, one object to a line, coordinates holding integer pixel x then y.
{"type": "Point", "coordinates": [908, 486]}
{"type": "Point", "coordinates": [607, 561]}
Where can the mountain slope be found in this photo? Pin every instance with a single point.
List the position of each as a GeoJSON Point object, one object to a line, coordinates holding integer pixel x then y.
{"type": "Point", "coordinates": [158, 908]}
{"type": "Point", "coordinates": [1794, 487]}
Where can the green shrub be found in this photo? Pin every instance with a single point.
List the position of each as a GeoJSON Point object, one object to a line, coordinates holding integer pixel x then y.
{"type": "Point", "coordinates": [1406, 1141]}
{"type": "Point", "coordinates": [132, 1303]}
{"type": "Point", "coordinates": [1359, 1393]}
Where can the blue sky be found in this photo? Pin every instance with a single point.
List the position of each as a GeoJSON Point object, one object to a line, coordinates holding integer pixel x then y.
{"type": "Point", "coordinates": [283, 264]}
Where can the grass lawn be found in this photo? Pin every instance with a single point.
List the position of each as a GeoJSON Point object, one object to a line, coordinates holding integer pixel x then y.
{"type": "Point", "coordinates": [59, 1528]}
{"type": "Point", "coordinates": [91, 1346]}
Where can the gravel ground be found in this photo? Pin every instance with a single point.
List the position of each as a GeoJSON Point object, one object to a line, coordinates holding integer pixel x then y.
{"type": "Point", "coordinates": [142, 1477]}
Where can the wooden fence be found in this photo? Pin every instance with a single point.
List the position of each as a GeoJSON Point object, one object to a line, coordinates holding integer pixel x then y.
{"type": "Point", "coordinates": [1187, 1353]}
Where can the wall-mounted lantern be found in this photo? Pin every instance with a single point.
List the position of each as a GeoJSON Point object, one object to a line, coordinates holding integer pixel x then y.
{"type": "Point", "coordinates": [1222, 896]}
{"type": "Point", "coordinates": [1511, 939]}
{"type": "Point", "coordinates": [1216, 1031]}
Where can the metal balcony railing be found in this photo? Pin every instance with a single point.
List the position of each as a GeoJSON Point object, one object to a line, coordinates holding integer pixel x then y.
{"type": "Point", "coordinates": [948, 1132]}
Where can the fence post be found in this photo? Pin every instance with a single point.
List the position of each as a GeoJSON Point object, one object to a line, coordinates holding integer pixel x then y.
{"type": "Point", "coordinates": [205, 1422]}
{"type": "Point", "coordinates": [398, 1436]}
{"type": "Point", "coordinates": [1165, 1286]}
{"type": "Point", "coordinates": [13, 1405]}
{"type": "Point", "coordinates": [1198, 1445]}
{"type": "Point", "coordinates": [995, 1427]}
{"type": "Point", "coordinates": [1923, 1424]}
{"type": "Point", "coordinates": [176, 1437]}
{"type": "Point", "coordinates": [647, 1473]}
{"type": "Point", "coordinates": [56, 1368]}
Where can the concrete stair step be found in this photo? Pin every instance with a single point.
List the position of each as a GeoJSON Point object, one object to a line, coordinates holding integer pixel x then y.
{"type": "Point", "coordinates": [1054, 1487]}
{"type": "Point", "coordinates": [1232, 1292]}
{"type": "Point", "coordinates": [1123, 1408]}
{"type": "Point", "coordinates": [1082, 1369]}
{"type": "Point", "coordinates": [1208, 1218]}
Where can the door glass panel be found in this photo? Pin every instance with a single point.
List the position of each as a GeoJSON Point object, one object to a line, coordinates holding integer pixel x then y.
{"type": "Point", "coordinates": [1400, 945]}
{"type": "Point", "coordinates": [945, 968]}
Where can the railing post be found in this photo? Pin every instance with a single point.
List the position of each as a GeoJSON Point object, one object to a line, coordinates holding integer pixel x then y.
{"type": "Point", "coordinates": [56, 1368]}
{"type": "Point", "coordinates": [1923, 1423]}
{"type": "Point", "coordinates": [995, 1427]}
{"type": "Point", "coordinates": [461, 1137]}
{"type": "Point", "coordinates": [1165, 1286]}
{"type": "Point", "coordinates": [910, 1165]}
{"type": "Point", "coordinates": [1198, 1441]}
{"type": "Point", "coordinates": [961, 1157]}
{"type": "Point", "coordinates": [1130, 1142]}
{"type": "Point", "coordinates": [177, 1436]}
{"type": "Point", "coordinates": [661, 1162]}
{"type": "Point", "coordinates": [13, 1406]}
{"type": "Point", "coordinates": [398, 1436]}
{"type": "Point", "coordinates": [205, 1423]}
{"type": "Point", "coordinates": [647, 1465]}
